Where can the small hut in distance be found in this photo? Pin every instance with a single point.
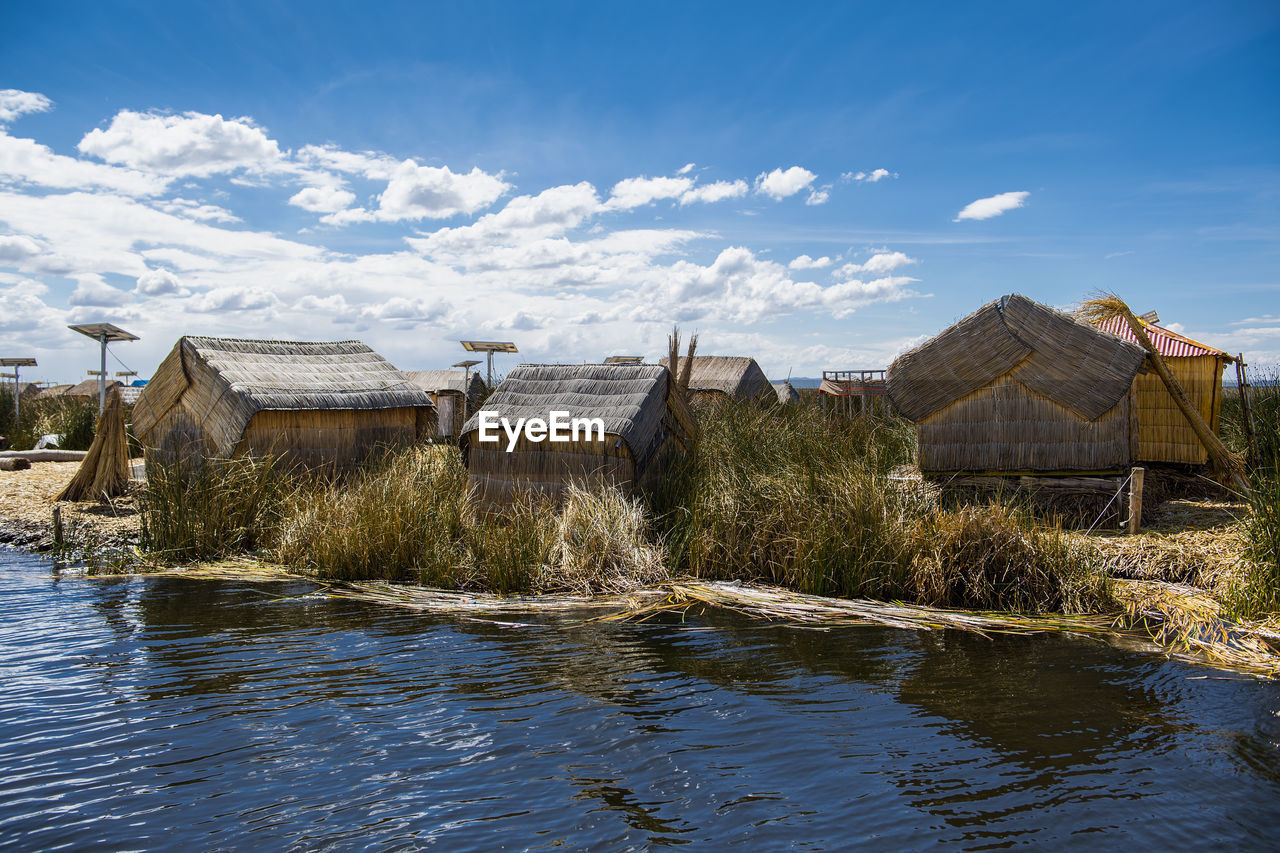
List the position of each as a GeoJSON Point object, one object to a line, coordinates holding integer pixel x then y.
{"type": "Point", "coordinates": [1017, 387]}
{"type": "Point", "coordinates": [786, 392]}
{"type": "Point", "coordinates": [726, 376]}
{"type": "Point", "coordinates": [311, 403]}
{"type": "Point", "coordinates": [453, 394]}
{"type": "Point", "coordinates": [644, 416]}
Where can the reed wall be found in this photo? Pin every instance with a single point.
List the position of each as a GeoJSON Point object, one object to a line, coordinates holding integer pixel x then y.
{"type": "Point", "coordinates": [1005, 427]}
{"type": "Point", "coordinates": [1163, 432]}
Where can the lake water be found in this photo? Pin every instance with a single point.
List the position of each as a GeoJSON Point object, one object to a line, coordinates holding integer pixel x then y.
{"type": "Point", "coordinates": [176, 714]}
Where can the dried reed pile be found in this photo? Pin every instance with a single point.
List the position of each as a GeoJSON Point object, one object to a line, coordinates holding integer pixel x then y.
{"type": "Point", "coordinates": [105, 470]}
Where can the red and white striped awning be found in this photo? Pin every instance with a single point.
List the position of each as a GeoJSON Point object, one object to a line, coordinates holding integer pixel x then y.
{"type": "Point", "coordinates": [1169, 344]}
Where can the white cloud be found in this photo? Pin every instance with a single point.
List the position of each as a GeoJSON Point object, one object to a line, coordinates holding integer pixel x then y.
{"type": "Point", "coordinates": [159, 282]}
{"type": "Point", "coordinates": [878, 264]}
{"type": "Point", "coordinates": [15, 102]}
{"type": "Point", "coordinates": [550, 213]}
{"type": "Point", "coordinates": [985, 208]}
{"type": "Point", "coordinates": [431, 192]}
{"type": "Point", "coordinates": [635, 192]}
{"type": "Point", "coordinates": [196, 210]}
{"type": "Point", "coordinates": [369, 164]}
{"type": "Point", "coordinates": [718, 191]}
{"type": "Point", "coordinates": [23, 310]}
{"type": "Point", "coordinates": [1175, 327]}
{"type": "Point", "coordinates": [233, 299]}
{"type": "Point", "coordinates": [804, 262]}
{"type": "Point", "coordinates": [685, 169]}
{"type": "Point", "coordinates": [322, 199]}
{"type": "Point", "coordinates": [192, 144]}
{"type": "Point", "coordinates": [92, 291]}
{"type": "Point", "coordinates": [17, 248]}
{"type": "Point", "coordinates": [868, 177]}
{"type": "Point", "coordinates": [818, 197]}
{"type": "Point", "coordinates": [782, 183]}
{"type": "Point", "coordinates": [26, 162]}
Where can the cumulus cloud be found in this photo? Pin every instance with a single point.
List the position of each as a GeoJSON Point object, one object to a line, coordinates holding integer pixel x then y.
{"type": "Point", "coordinates": [22, 309]}
{"type": "Point", "coordinates": [804, 262]}
{"type": "Point", "coordinates": [191, 144]}
{"type": "Point", "coordinates": [878, 264]}
{"type": "Point", "coordinates": [429, 192]}
{"type": "Point", "coordinates": [221, 299]}
{"type": "Point", "coordinates": [15, 102]}
{"type": "Point", "coordinates": [92, 291]}
{"type": "Point", "coordinates": [718, 191]}
{"type": "Point", "coordinates": [868, 177]}
{"type": "Point", "coordinates": [783, 183]}
{"type": "Point", "coordinates": [24, 162]}
{"type": "Point", "coordinates": [525, 218]}
{"type": "Point", "coordinates": [819, 196]}
{"type": "Point", "coordinates": [196, 210]}
{"type": "Point", "coordinates": [322, 199]}
{"type": "Point", "coordinates": [985, 208]}
{"type": "Point", "coordinates": [635, 192]}
{"type": "Point", "coordinates": [159, 282]}
{"type": "Point", "coordinates": [16, 247]}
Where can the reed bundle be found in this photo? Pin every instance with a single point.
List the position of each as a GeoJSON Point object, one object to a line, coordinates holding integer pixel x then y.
{"type": "Point", "coordinates": [105, 469]}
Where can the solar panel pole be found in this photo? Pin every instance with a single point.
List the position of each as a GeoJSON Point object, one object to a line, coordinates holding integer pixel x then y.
{"type": "Point", "coordinates": [102, 378]}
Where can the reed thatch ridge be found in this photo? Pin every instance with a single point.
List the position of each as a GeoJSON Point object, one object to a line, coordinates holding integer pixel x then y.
{"type": "Point", "coordinates": [55, 391]}
{"type": "Point", "coordinates": [313, 401]}
{"type": "Point", "coordinates": [1017, 387]}
{"type": "Point", "coordinates": [734, 376]}
{"type": "Point", "coordinates": [1055, 355]}
{"type": "Point", "coordinates": [645, 418]}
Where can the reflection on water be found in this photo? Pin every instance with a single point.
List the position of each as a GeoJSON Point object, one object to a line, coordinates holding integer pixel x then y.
{"type": "Point", "coordinates": [148, 713]}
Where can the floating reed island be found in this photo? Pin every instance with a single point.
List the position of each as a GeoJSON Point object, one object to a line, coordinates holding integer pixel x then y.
{"type": "Point", "coordinates": [326, 461]}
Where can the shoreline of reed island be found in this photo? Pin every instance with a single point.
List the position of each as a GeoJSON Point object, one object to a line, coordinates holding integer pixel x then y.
{"type": "Point", "coordinates": [784, 497]}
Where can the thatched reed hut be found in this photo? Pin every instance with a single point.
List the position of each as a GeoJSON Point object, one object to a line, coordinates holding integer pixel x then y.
{"type": "Point", "coordinates": [88, 389]}
{"type": "Point", "coordinates": [1164, 435]}
{"type": "Point", "coordinates": [726, 376]}
{"type": "Point", "coordinates": [645, 420]}
{"type": "Point", "coordinates": [454, 395]}
{"type": "Point", "coordinates": [51, 391]}
{"type": "Point", "coordinates": [310, 403]}
{"type": "Point", "coordinates": [1017, 387]}
{"type": "Point", "coordinates": [786, 392]}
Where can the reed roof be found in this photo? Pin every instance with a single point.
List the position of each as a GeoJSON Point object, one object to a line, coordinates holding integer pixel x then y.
{"type": "Point", "coordinates": [239, 378]}
{"type": "Point", "coordinates": [436, 381]}
{"type": "Point", "coordinates": [55, 390]}
{"type": "Point", "coordinates": [88, 388]}
{"type": "Point", "coordinates": [631, 399]}
{"type": "Point", "coordinates": [737, 376]}
{"type": "Point", "coordinates": [1059, 357]}
{"type": "Point", "coordinates": [786, 392]}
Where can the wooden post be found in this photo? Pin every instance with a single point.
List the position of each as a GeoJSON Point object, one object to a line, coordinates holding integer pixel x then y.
{"type": "Point", "coordinates": [1246, 410]}
{"type": "Point", "coordinates": [1135, 499]}
{"type": "Point", "coordinates": [57, 527]}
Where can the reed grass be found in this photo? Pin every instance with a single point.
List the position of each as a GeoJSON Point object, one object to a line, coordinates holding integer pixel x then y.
{"type": "Point", "coordinates": [199, 509]}
{"type": "Point", "coordinates": [1256, 593]}
{"type": "Point", "coordinates": [73, 418]}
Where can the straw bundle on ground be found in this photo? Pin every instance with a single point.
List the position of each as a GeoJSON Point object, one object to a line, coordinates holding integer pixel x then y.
{"type": "Point", "coordinates": [311, 403]}
{"type": "Point", "coordinates": [1019, 387]}
{"type": "Point", "coordinates": [730, 376]}
{"type": "Point", "coordinates": [645, 420]}
{"type": "Point", "coordinates": [105, 469]}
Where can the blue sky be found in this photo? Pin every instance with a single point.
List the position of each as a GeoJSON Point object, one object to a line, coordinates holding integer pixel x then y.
{"type": "Point", "coordinates": [820, 186]}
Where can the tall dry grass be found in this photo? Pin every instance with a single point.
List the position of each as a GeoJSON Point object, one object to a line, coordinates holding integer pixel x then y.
{"type": "Point", "coordinates": [1257, 590]}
